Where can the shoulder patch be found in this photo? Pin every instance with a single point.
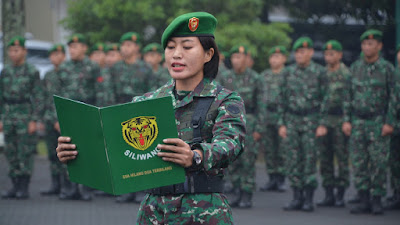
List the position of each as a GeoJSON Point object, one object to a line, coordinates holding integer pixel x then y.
{"type": "Point", "coordinates": [233, 110]}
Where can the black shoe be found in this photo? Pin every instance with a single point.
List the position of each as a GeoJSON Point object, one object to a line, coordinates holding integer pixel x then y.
{"type": "Point", "coordinates": [11, 193]}
{"type": "Point", "coordinates": [55, 186]}
{"type": "Point", "coordinates": [246, 200]}
{"type": "Point", "coordinates": [23, 187]}
{"type": "Point", "coordinates": [329, 199]}
{"type": "Point", "coordinates": [395, 202]}
{"type": "Point", "coordinates": [125, 198]}
{"type": "Point", "coordinates": [356, 199]}
{"type": "Point", "coordinates": [364, 206]}
{"type": "Point", "coordinates": [280, 183]}
{"type": "Point", "coordinates": [271, 185]}
{"type": "Point", "coordinates": [339, 200]}
{"type": "Point", "coordinates": [377, 208]}
{"type": "Point", "coordinates": [237, 198]}
{"type": "Point", "coordinates": [297, 202]}
{"type": "Point", "coordinates": [70, 192]}
{"type": "Point", "coordinates": [308, 205]}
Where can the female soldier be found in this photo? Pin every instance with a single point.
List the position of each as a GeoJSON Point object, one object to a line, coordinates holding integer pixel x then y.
{"type": "Point", "coordinates": [192, 58]}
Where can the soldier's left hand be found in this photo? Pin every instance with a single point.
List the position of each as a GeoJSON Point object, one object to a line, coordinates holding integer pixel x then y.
{"type": "Point", "coordinates": [387, 130]}
{"type": "Point", "coordinates": [31, 127]}
{"type": "Point", "coordinates": [256, 136]}
{"type": "Point", "coordinates": [181, 153]}
{"type": "Point", "coordinates": [321, 131]}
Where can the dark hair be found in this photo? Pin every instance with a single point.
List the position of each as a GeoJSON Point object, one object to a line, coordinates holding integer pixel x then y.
{"type": "Point", "coordinates": [210, 68]}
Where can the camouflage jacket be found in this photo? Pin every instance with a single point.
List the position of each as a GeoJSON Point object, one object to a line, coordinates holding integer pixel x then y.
{"type": "Point", "coordinates": [105, 95]}
{"type": "Point", "coordinates": [162, 76]}
{"type": "Point", "coordinates": [372, 91]}
{"type": "Point", "coordinates": [52, 87]}
{"type": "Point", "coordinates": [20, 93]}
{"type": "Point", "coordinates": [302, 93]}
{"type": "Point", "coordinates": [129, 80]}
{"type": "Point", "coordinates": [224, 130]}
{"type": "Point", "coordinates": [336, 94]}
{"type": "Point", "coordinates": [271, 98]}
{"type": "Point", "coordinates": [77, 80]}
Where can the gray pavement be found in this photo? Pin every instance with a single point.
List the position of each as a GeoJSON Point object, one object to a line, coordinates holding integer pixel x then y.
{"type": "Point", "coordinates": [39, 210]}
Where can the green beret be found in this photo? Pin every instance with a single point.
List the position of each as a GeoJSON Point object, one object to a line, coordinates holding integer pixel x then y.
{"type": "Point", "coordinates": [398, 48]}
{"type": "Point", "coordinates": [191, 24]}
{"type": "Point", "coordinates": [238, 49]}
{"type": "Point", "coordinates": [112, 47]}
{"type": "Point", "coordinates": [153, 47]}
{"type": "Point", "coordinates": [57, 48]}
{"type": "Point", "coordinates": [303, 42]}
{"type": "Point", "coordinates": [77, 38]}
{"type": "Point", "coordinates": [130, 36]}
{"type": "Point", "coordinates": [278, 49]}
{"type": "Point", "coordinates": [17, 41]}
{"type": "Point", "coordinates": [97, 47]}
{"type": "Point", "coordinates": [372, 34]}
{"type": "Point", "coordinates": [333, 45]}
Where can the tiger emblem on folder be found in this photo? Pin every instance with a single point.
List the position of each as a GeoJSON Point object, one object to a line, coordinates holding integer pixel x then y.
{"type": "Point", "coordinates": [140, 132]}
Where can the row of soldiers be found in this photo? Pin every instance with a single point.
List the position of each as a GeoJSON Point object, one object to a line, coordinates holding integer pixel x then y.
{"type": "Point", "coordinates": [293, 113]}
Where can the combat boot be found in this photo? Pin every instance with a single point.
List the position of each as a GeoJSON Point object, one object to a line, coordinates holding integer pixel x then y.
{"type": "Point", "coordinates": [23, 187]}
{"type": "Point", "coordinates": [297, 202]}
{"type": "Point", "coordinates": [280, 183]}
{"type": "Point", "coordinates": [364, 206]}
{"type": "Point", "coordinates": [86, 193]}
{"type": "Point", "coordinates": [339, 200]}
{"type": "Point", "coordinates": [271, 185]}
{"type": "Point", "coordinates": [54, 187]}
{"type": "Point", "coordinates": [356, 198]}
{"type": "Point", "coordinates": [395, 202]}
{"type": "Point", "coordinates": [237, 199]}
{"type": "Point", "coordinates": [246, 200]}
{"type": "Point", "coordinates": [377, 208]}
{"type": "Point", "coordinates": [329, 199]}
{"type": "Point", "coordinates": [11, 193]}
{"type": "Point", "coordinates": [70, 192]}
{"type": "Point", "coordinates": [308, 205]}
{"type": "Point", "coordinates": [126, 198]}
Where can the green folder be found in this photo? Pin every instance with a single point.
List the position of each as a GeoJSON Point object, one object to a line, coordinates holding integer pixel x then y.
{"type": "Point", "coordinates": [117, 145]}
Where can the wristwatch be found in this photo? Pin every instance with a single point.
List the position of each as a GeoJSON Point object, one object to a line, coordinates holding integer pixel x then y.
{"type": "Point", "coordinates": [196, 159]}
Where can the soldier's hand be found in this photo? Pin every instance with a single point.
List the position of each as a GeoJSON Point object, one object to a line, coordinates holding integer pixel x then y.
{"type": "Point", "coordinates": [57, 127]}
{"type": "Point", "coordinates": [31, 127]}
{"type": "Point", "coordinates": [321, 131]}
{"type": "Point", "coordinates": [66, 150]}
{"type": "Point", "coordinates": [346, 128]}
{"type": "Point", "coordinates": [282, 132]}
{"type": "Point", "coordinates": [387, 130]}
{"type": "Point", "coordinates": [181, 153]}
{"type": "Point", "coordinates": [1, 126]}
{"type": "Point", "coordinates": [256, 136]}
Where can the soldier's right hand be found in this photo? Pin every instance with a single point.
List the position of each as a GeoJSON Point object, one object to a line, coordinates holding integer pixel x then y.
{"type": "Point", "coordinates": [282, 132]}
{"type": "Point", "coordinates": [346, 128]}
{"type": "Point", "coordinates": [65, 150]}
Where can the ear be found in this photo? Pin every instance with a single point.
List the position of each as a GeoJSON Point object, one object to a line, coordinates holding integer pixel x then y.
{"type": "Point", "coordinates": [208, 55]}
{"type": "Point", "coordinates": [380, 45]}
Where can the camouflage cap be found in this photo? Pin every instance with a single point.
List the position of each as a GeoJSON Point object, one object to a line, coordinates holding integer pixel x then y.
{"type": "Point", "coordinates": [372, 34]}
{"type": "Point", "coordinates": [17, 41]}
{"type": "Point", "coordinates": [198, 24]}
{"type": "Point", "coordinates": [77, 38]}
{"type": "Point", "coordinates": [97, 47]}
{"type": "Point", "coordinates": [57, 48]}
{"type": "Point", "coordinates": [112, 47]}
{"type": "Point", "coordinates": [238, 49]}
{"type": "Point", "coordinates": [130, 36]}
{"type": "Point", "coordinates": [153, 47]}
{"type": "Point", "coordinates": [333, 45]}
{"type": "Point", "coordinates": [278, 49]}
{"type": "Point", "coordinates": [303, 42]}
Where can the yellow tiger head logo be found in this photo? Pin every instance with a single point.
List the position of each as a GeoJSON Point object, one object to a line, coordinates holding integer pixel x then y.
{"type": "Point", "coordinates": [140, 132]}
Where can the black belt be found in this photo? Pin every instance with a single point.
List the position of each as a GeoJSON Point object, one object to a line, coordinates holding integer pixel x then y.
{"type": "Point", "coordinates": [368, 116]}
{"type": "Point", "coordinates": [336, 111]}
{"type": "Point", "coordinates": [21, 101]}
{"type": "Point", "coordinates": [196, 183]}
{"type": "Point", "coordinates": [304, 112]}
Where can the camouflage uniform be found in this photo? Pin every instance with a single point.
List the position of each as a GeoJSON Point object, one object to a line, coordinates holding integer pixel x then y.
{"type": "Point", "coordinates": [335, 143]}
{"type": "Point", "coordinates": [242, 171]}
{"type": "Point", "coordinates": [162, 76]}
{"type": "Point", "coordinates": [302, 95]}
{"type": "Point", "coordinates": [20, 103]}
{"type": "Point", "coordinates": [103, 86]}
{"type": "Point", "coordinates": [129, 80]}
{"type": "Point", "coordinates": [223, 136]}
{"type": "Point", "coordinates": [370, 106]}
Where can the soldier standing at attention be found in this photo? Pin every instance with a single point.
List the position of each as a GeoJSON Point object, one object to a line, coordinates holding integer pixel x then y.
{"type": "Point", "coordinates": [20, 109]}
{"type": "Point", "coordinates": [370, 117]}
{"type": "Point", "coordinates": [335, 142]}
{"type": "Point", "coordinates": [113, 54]}
{"type": "Point", "coordinates": [153, 55]}
{"type": "Point", "coordinates": [204, 151]}
{"type": "Point", "coordinates": [247, 83]}
{"type": "Point", "coordinates": [98, 55]}
{"type": "Point", "coordinates": [52, 86]}
{"type": "Point", "coordinates": [300, 115]}
{"type": "Point", "coordinates": [274, 153]}
{"type": "Point", "coordinates": [78, 79]}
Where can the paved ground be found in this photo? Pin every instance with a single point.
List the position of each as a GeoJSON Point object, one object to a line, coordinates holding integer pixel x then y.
{"type": "Point", "coordinates": [39, 210]}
